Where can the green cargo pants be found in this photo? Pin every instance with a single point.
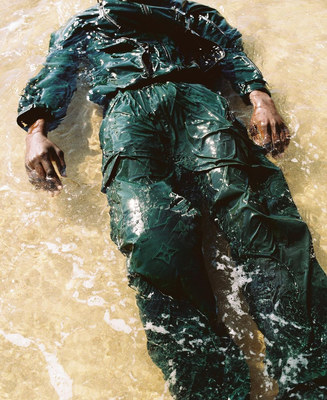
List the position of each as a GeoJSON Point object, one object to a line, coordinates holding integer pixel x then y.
{"type": "Point", "coordinates": [171, 151]}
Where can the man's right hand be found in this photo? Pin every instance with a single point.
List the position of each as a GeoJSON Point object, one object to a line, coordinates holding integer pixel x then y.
{"type": "Point", "coordinates": [40, 153]}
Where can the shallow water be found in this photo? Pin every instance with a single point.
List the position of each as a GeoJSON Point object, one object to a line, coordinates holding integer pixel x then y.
{"type": "Point", "coordinates": [69, 328]}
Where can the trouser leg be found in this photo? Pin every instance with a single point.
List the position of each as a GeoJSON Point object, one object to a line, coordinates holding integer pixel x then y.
{"type": "Point", "coordinates": [268, 239]}
{"type": "Point", "coordinates": [250, 201]}
{"type": "Point", "coordinates": [196, 363]}
{"type": "Point", "coordinates": [159, 232]}
{"type": "Point", "coordinates": [227, 284]}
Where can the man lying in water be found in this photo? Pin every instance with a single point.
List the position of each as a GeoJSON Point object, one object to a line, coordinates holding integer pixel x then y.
{"type": "Point", "coordinates": [173, 153]}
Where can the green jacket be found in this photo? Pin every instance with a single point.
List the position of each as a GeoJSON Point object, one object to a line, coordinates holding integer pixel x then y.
{"type": "Point", "coordinates": [128, 44]}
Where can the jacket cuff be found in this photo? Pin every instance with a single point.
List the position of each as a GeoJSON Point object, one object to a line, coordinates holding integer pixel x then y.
{"type": "Point", "coordinates": [29, 114]}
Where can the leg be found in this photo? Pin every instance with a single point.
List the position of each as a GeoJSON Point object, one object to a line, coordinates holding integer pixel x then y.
{"type": "Point", "coordinates": [226, 283]}
{"type": "Point", "coordinates": [195, 362]}
{"type": "Point", "coordinates": [285, 286]}
{"type": "Point", "coordinates": [249, 200]}
{"type": "Point", "coordinates": [159, 233]}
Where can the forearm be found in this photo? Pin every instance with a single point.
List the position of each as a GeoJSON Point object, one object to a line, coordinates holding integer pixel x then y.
{"type": "Point", "coordinates": [48, 94]}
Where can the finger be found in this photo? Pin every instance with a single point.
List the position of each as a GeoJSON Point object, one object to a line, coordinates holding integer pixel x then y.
{"type": "Point", "coordinates": [52, 181]}
{"type": "Point", "coordinates": [38, 178]}
{"type": "Point", "coordinates": [277, 145]}
{"type": "Point", "coordinates": [52, 185]}
{"type": "Point", "coordinates": [265, 133]}
{"type": "Point", "coordinates": [281, 145]}
{"type": "Point", "coordinates": [39, 170]}
{"type": "Point", "coordinates": [253, 130]}
{"type": "Point", "coordinates": [58, 158]}
{"type": "Point", "coordinates": [34, 178]}
{"type": "Point", "coordinates": [286, 136]}
{"type": "Point", "coordinates": [279, 140]}
{"type": "Point", "coordinates": [282, 133]}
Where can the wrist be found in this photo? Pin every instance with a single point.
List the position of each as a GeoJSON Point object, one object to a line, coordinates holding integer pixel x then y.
{"type": "Point", "coordinates": [260, 99]}
{"type": "Point", "coordinates": [38, 128]}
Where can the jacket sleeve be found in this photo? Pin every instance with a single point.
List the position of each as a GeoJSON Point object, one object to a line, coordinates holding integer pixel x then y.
{"type": "Point", "coordinates": [234, 63]}
{"type": "Point", "coordinates": [48, 94]}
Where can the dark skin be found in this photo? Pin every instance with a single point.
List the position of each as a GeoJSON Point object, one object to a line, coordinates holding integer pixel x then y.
{"type": "Point", "coordinates": [267, 129]}
{"type": "Point", "coordinates": [40, 155]}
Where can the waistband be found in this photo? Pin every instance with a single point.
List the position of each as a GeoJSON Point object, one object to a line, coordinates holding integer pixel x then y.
{"type": "Point", "coordinates": [192, 76]}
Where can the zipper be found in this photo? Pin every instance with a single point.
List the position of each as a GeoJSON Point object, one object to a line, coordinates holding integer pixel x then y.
{"type": "Point", "coordinates": [106, 16]}
{"type": "Point", "coordinates": [145, 9]}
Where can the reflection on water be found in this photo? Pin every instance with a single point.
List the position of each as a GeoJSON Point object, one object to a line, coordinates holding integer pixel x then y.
{"type": "Point", "coordinates": [69, 328]}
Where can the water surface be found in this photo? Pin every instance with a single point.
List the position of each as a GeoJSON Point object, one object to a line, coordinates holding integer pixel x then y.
{"type": "Point", "coordinates": [69, 327]}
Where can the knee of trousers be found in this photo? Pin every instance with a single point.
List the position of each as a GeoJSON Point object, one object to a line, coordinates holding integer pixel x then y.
{"type": "Point", "coordinates": [250, 220]}
{"type": "Point", "coordinates": [170, 258]}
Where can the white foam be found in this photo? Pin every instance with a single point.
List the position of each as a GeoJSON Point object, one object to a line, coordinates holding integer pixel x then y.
{"type": "Point", "coordinates": [61, 382]}
{"type": "Point", "coordinates": [16, 339]}
{"type": "Point", "coordinates": [118, 325]}
{"type": "Point", "coordinates": [159, 329]}
{"type": "Point", "coordinates": [96, 301]}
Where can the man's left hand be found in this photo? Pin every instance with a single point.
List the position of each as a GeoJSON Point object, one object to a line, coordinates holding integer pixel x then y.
{"type": "Point", "coordinates": [267, 127]}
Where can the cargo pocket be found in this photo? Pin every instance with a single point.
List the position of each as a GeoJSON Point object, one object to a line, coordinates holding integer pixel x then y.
{"type": "Point", "coordinates": [226, 146]}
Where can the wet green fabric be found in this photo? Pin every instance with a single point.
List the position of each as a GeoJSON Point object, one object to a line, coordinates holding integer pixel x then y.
{"type": "Point", "coordinates": [181, 152]}
{"type": "Point", "coordinates": [285, 286]}
{"type": "Point", "coordinates": [159, 129]}
{"type": "Point", "coordinates": [139, 43]}
{"type": "Point", "coordinates": [171, 150]}
{"type": "Point", "coordinates": [196, 363]}
{"type": "Point", "coordinates": [183, 121]}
